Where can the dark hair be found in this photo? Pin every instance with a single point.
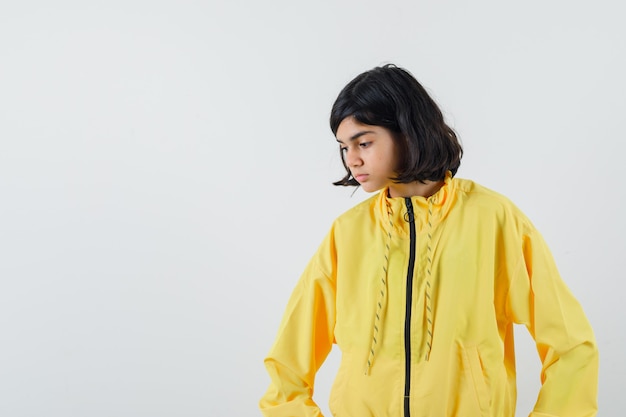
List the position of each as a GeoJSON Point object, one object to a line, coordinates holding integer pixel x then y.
{"type": "Point", "coordinates": [392, 98]}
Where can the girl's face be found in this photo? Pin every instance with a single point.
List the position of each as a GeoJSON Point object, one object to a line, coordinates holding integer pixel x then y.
{"type": "Point", "coordinates": [370, 153]}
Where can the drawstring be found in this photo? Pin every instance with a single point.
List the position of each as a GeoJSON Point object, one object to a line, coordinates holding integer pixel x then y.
{"type": "Point", "coordinates": [429, 300]}
{"type": "Point", "coordinates": [382, 296]}
{"type": "Point", "coordinates": [381, 303]}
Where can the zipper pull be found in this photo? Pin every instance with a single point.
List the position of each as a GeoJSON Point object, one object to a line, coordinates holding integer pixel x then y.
{"type": "Point", "coordinates": [409, 216]}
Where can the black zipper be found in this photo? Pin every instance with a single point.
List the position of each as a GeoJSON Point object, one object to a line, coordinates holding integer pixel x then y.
{"type": "Point", "coordinates": [409, 303]}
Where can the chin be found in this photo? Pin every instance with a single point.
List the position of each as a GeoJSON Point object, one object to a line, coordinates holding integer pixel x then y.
{"type": "Point", "coordinates": [368, 188]}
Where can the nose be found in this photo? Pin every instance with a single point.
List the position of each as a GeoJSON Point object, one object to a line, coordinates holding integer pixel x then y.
{"type": "Point", "coordinates": [353, 159]}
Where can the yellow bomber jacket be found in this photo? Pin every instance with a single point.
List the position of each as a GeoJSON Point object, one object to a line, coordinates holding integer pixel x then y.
{"type": "Point", "coordinates": [421, 296]}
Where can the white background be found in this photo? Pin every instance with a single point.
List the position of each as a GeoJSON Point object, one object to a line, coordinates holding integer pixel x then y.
{"type": "Point", "coordinates": [165, 173]}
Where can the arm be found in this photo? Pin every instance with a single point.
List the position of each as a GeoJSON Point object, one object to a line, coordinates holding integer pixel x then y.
{"type": "Point", "coordinates": [304, 340]}
{"type": "Point", "coordinates": [539, 299]}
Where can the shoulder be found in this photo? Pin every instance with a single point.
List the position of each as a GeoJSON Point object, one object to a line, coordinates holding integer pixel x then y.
{"type": "Point", "coordinates": [353, 226]}
{"type": "Point", "coordinates": [472, 196]}
{"type": "Point", "coordinates": [360, 221]}
{"type": "Point", "coordinates": [472, 193]}
{"type": "Point", "coordinates": [479, 193]}
{"type": "Point", "coordinates": [364, 209]}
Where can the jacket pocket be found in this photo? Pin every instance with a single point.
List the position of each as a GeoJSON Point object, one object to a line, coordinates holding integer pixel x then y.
{"type": "Point", "coordinates": [473, 369]}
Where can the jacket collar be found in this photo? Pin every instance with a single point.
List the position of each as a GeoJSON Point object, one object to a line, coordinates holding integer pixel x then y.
{"type": "Point", "coordinates": [435, 208]}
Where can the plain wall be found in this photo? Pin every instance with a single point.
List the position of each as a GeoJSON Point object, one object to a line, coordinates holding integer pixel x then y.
{"type": "Point", "coordinates": [166, 169]}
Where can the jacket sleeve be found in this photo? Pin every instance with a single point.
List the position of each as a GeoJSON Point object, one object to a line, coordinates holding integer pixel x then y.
{"type": "Point", "coordinates": [539, 299]}
{"type": "Point", "coordinates": [305, 338]}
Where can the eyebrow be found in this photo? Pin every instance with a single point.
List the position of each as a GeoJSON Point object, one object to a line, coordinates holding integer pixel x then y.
{"type": "Point", "coordinates": [357, 135]}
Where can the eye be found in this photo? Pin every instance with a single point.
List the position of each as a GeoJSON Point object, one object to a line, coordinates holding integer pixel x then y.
{"type": "Point", "coordinates": [365, 144]}
{"type": "Point", "coordinates": [343, 149]}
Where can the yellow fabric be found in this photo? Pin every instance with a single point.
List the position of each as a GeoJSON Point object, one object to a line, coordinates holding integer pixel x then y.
{"type": "Point", "coordinates": [480, 267]}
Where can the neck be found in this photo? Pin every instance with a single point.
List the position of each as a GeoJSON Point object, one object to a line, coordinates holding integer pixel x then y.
{"type": "Point", "coordinates": [414, 189]}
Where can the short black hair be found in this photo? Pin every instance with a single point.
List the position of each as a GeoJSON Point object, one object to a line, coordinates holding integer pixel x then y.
{"type": "Point", "coordinates": [390, 97]}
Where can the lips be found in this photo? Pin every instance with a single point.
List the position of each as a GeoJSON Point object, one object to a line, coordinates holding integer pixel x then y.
{"type": "Point", "coordinates": [361, 177]}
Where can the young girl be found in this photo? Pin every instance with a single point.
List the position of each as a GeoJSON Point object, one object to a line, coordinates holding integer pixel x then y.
{"type": "Point", "coordinates": [420, 285]}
